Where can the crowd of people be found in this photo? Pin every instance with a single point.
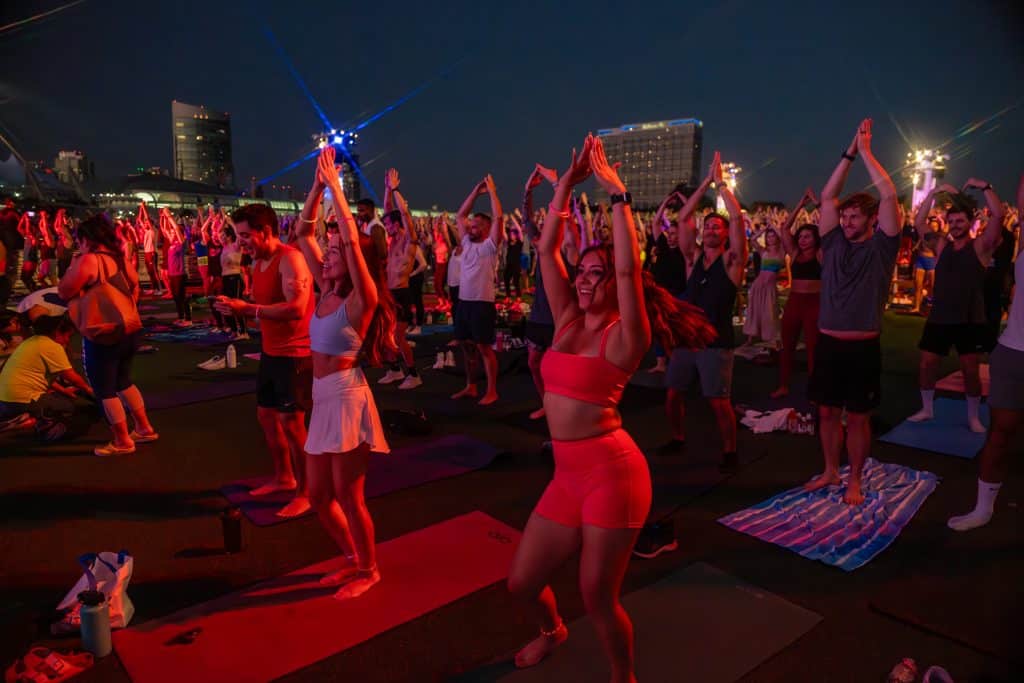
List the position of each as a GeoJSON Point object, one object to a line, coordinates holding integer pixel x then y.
{"type": "Point", "coordinates": [331, 291]}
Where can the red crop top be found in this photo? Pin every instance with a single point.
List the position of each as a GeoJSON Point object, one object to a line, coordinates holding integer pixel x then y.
{"type": "Point", "coordinates": [591, 379]}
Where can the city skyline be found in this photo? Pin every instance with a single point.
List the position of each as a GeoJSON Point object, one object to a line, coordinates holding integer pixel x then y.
{"type": "Point", "coordinates": [779, 101]}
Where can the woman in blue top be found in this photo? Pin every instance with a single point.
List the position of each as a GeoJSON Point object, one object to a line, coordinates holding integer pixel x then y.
{"type": "Point", "coordinates": [763, 298]}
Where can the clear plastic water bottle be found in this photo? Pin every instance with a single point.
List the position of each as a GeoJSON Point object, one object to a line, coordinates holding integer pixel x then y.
{"type": "Point", "coordinates": [232, 356]}
{"type": "Point", "coordinates": [95, 623]}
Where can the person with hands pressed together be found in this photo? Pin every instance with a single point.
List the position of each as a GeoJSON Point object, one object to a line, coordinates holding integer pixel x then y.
{"type": "Point", "coordinates": [957, 317]}
{"type": "Point", "coordinates": [601, 491]}
{"type": "Point", "coordinates": [714, 271]}
{"type": "Point", "coordinates": [857, 267]}
{"type": "Point", "coordinates": [355, 316]}
{"type": "Point", "coordinates": [480, 237]}
{"type": "Point", "coordinates": [283, 303]}
{"type": "Point", "coordinates": [402, 244]}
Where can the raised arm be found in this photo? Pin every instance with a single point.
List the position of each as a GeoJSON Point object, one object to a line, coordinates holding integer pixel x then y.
{"type": "Point", "coordinates": [988, 242]}
{"type": "Point", "coordinates": [634, 335]}
{"type": "Point", "coordinates": [786, 231]}
{"type": "Point", "coordinates": [363, 285]}
{"type": "Point", "coordinates": [462, 217]}
{"type": "Point", "coordinates": [497, 219]}
{"type": "Point", "coordinates": [737, 244]}
{"type": "Point", "coordinates": [305, 239]}
{"type": "Point", "coordinates": [659, 215]}
{"type": "Point", "coordinates": [549, 249]}
{"type": "Point", "coordinates": [834, 187]}
{"type": "Point", "coordinates": [888, 209]}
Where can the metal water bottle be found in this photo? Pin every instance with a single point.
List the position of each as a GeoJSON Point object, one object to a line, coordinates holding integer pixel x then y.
{"type": "Point", "coordinates": [232, 356]}
{"type": "Point", "coordinates": [95, 615]}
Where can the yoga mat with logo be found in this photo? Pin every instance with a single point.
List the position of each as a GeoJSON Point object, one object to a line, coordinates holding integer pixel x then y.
{"type": "Point", "coordinates": [276, 627]}
{"type": "Point", "coordinates": [946, 433]}
{"type": "Point", "coordinates": [412, 465]}
{"type": "Point", "coordinates": [699, 624]}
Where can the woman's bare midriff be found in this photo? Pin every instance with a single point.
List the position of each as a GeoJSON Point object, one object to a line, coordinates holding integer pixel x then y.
{"type": "Point", "coordinates": [325, 364]}
{"type": "Point", "coordinates": [572, 420]}
{"type": "Point", "coordinates": [805, 287]}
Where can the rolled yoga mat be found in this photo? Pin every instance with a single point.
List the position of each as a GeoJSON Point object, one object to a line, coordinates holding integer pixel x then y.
{"type": "Point", "coordinates": [419, 463]}
{"type": "Point", "coordinates": [284, 624]}
{"type": "Point", "coordinates": [698, 624]}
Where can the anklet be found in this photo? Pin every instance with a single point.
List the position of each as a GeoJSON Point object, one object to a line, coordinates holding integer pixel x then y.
{"type": "Point", "coordinates": [552, 632]}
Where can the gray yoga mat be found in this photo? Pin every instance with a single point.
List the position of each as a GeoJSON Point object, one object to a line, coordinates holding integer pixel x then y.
{"type": "Point", "coordinates": [698, 624]}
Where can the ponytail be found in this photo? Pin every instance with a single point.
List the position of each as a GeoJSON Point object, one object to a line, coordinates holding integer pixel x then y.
{"type": "Point", "coordinates": [674, 323]}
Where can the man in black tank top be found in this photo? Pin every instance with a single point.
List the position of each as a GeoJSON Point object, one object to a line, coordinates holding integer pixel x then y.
{"type": "Point", "coordinates": [714, 271]}
{"type": "Point", "coordinates": [958, 315]}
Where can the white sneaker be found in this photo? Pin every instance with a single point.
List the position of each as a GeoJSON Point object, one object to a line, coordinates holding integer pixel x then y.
{"type": "Point", "coordinates": [414, 331]}
{"type": "Point", "coordinates": [439, 363]}
{"type": "Point", "coordinates": [391, 376]}
{"type": "Point", "coordinates": [215, 363]}
{"type": "Point", "coordinates": [449, 359]}
{"type": "Point", "coordinates": [410, 382]}
{"type": "Point", "coordinates": [411, 343]}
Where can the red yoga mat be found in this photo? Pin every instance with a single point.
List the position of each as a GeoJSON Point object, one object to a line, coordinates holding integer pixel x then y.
{"type": "Point", "coordinates": [284, 624]}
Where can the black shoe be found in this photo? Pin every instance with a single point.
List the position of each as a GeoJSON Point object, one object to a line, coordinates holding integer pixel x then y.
{"type": "Point", "coordinates": [656, 539]}
{"type": "Point", "coordinates": [730, 461]}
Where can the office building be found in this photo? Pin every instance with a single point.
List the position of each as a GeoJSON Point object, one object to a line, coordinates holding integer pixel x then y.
{"type": "Point", "coordinates": [202, 145]}
{"type": "Point", "coordinates": [656, 157]}
{"type": "Point", "coordinates": [72, 164]}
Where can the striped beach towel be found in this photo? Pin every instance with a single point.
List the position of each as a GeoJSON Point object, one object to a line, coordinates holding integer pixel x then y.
{"type": "Point", "coordinates": [820, 526]}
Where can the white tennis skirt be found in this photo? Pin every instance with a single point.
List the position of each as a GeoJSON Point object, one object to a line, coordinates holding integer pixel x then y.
{"type": "Point", "coordinates": [344, 415]}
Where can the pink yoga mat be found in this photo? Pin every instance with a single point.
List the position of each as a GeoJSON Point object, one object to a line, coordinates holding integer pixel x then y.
{"type": "Point", "coordinates": [284, 624]}
{"type": "Point", "coordinates": [955, 381]}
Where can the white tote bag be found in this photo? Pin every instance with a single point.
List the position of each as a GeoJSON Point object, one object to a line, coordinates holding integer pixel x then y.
{"type": "Point", "coordinates": [106, 572]}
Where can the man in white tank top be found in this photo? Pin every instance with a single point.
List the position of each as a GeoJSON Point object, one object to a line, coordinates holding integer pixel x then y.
{"type": "Point", "coordinates": [1005, 401]}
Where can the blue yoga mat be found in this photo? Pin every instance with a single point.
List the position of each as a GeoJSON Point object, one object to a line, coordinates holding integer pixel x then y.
{"type": "Point", "coordinates": [945, 433]}
{"type": "Point", "coordinates": [820, 526]}
{"type": "Point", "coordinates": [434, 329]}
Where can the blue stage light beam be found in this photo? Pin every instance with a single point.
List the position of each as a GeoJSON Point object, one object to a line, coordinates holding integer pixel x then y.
{"type": "Point", "coordinates": [289, 167]}
{"type": "Point", "coordinates": [408, 96]}
{"type": "Point", "coordinates": [295, 74]}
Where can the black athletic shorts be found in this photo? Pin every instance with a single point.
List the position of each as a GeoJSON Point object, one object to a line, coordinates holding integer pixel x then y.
{"type": "Point", "coordinates": [539, 335]}
{"type": "Point", "coordinates": [403, 304]}
{"type": "Point", "coordinates": [967, 338]}
{"type": "Point", "coordinates": [475, 321]}
{"type": "Point", "coordinates": [285, 383]}
{"type": "Point", "coordinates": [847, 373]}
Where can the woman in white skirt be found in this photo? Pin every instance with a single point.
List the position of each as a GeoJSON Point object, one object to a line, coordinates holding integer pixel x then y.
{"type": "Point", "coordinates": [763, 299]}
{"type": "Point", "coordinates": [354, 312]}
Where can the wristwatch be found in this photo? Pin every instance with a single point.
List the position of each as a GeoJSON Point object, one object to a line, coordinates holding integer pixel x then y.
{"type": "Point", "coordinates": [625, 198]}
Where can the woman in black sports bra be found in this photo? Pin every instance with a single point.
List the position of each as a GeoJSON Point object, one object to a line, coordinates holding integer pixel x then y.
{"type": "Point", "coordinates": [801, 312]}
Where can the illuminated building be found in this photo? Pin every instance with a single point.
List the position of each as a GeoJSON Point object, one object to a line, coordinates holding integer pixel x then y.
{"type": "Point", "coordinates": [656, 157]}
{"type": "Point", "coordinates": [202, 145]}
{"type": "Point", "coordinates": [73, 164]}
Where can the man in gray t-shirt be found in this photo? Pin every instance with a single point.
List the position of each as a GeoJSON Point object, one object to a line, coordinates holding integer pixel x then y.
{"type": "Point", "coordinates": [856, 270]}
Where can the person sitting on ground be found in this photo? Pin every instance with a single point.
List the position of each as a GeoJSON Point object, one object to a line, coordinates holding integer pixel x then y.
{"type": "Point", "coordinates": [27, 396]}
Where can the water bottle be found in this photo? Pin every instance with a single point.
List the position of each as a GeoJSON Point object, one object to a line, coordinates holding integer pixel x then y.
{"type": "Point", "coordinates": [95, 615]}
{"type": "Point", "coordinates": [232, 356]}
{"type": "Point", "coordinates": [231, 524]}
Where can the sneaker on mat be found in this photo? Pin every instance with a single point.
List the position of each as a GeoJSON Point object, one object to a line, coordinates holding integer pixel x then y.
{"type": "Point", "coordinates": [215, 363]}
{"type": "Point", "coordinates": [656, 539]}
{"type": "Point", "coordinates": [410, 382]}
{"type": "Point", "coordinates": [113, 449]}
{"type": "Point", "coordinates": [391, 376]}
{"type": "Point", "coordinates": [138, 437]}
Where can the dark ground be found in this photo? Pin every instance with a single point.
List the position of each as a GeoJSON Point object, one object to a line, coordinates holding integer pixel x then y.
{"type": "Point", "coordinates": [59, 501]}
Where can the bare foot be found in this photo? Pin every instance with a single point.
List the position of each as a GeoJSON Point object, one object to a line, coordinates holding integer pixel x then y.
{"type": "Point", "coordinates": [780, 392]}
{"type": "Point", "coordinates": [537, 414]}
{"type": "Point", "coordinates": [540, 647]}
{"type": "Point", "coordinates": [488, 399]}
{"type": "Point", "coordinates": [822, 480]}
{"type": "Point", "coordinates": [364, 580]}
{"type": "Point", "coordinates": [299, 506]}
{"type": "Point", "coordinates": [659, 367]}
{"type": "Point", "coordinates": [853, 495]}
{"type": "Point", "coordinates": [345, 573]}
{"type": "Point", "coordinates": [469, 391]}
{"type": "Point", "coordinates": [273, 486]}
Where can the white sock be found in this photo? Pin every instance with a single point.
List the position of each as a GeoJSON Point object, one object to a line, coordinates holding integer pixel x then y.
{"type": "Point", "coordinates": [983, 509]}
{"type": "Point", "coordinates": [972, 414]}
{"type": "Point", "coordinates": [927, 406]}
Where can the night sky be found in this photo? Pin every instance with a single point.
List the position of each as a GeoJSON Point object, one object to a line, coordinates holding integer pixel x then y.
{"type": "Point", "coordinates": [780, 87]}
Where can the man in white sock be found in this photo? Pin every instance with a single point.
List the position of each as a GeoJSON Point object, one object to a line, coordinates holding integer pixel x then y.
{"type": "Point", "coordinates": [1005, 400]}
{"type": "Point", "coordinates": [958, 315]}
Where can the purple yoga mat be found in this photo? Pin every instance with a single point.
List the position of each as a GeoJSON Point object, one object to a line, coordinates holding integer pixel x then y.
{"type": "Point", "coordinates": [447, 456]}
{"type": "Point", "coordinates": [197, 393]}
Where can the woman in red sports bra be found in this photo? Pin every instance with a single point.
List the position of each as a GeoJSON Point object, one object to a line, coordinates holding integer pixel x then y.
{"type": "Point", "coordinates": [601, 491]}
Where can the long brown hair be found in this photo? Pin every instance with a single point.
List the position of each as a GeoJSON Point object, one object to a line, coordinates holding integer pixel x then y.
{"type": "Point", "coordinates": [379, 341]}
{"type": "Point", "coordinates": [674, 323]}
